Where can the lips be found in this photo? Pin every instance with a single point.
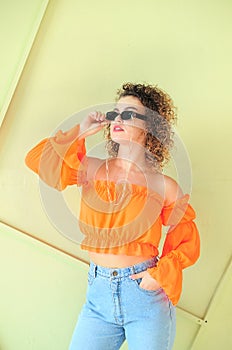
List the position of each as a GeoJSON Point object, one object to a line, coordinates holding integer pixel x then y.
{"type": "Point", "coordinates": [117, 128]}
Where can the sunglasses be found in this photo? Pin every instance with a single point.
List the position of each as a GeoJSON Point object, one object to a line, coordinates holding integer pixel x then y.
{"type": "Point", "coordinates": [125, 115]}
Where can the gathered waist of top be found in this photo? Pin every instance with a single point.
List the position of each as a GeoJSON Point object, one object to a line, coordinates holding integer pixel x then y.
{"type": "Point", "coordinates": [133, 249]}
{"type": "Point", "coordinates": [111, 272]}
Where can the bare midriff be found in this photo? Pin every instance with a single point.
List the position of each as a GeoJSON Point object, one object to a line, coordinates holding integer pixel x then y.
{"type": "Point", "coordinates": [116, 261]}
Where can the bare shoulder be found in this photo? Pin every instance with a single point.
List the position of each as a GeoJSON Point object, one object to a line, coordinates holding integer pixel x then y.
{"type": "Point", "coordinates": [172, 190]}
{"type": "Point", "coordinates": [94, 165]}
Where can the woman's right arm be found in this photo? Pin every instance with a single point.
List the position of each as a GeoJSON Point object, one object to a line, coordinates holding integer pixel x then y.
{"type": "Point", "coordinates": [60, 160]}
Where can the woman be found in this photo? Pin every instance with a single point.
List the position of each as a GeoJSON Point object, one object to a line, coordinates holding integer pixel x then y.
{"type": "Point", "coordinates": [126, 199]}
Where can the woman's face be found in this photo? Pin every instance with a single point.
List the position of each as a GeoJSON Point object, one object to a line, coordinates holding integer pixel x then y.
{"type": "Point", "coordinates": [122, 131]}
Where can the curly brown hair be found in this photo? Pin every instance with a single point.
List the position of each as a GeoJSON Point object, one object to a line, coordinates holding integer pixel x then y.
{"type": "Point", "coordinates": [161, 114]}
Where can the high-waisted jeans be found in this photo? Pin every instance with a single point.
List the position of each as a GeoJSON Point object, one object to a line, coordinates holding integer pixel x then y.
{"type": "Point", "coordinates": [117, 308]}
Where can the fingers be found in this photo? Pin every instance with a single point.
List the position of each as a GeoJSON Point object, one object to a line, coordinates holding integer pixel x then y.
{"type": "Point", "coordinates": [137, 275]}
{"type": "Point", "coordinates": [148, 282]}
{"type": "Point", "coordinates": [97, 116]}
{"type": "Point", "coordinates": [94, 122]}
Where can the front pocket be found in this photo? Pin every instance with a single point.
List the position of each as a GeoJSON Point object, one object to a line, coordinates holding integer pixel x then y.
{"type": "Point", "coordinates": [146, 291]}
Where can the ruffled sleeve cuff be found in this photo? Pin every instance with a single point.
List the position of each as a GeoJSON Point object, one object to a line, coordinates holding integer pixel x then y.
{"type": "Point", "coordinates": [168, 273]}
{"type": "Point", "coordinates": [60, 160]}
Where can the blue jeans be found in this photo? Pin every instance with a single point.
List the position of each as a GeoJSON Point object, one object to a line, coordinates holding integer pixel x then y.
{"type": "Point", "coordinates": [117, 308]}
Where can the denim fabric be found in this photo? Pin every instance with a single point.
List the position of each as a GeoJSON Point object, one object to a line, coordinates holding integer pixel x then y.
{"type": "Point", "coordinates": [117, 308]}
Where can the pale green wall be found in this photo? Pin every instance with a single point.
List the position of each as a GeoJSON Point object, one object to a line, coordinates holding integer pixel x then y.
{"type": "Point", "coordinates": [19, 23]}
{"type": "Point", "coordinates": [41, 294]}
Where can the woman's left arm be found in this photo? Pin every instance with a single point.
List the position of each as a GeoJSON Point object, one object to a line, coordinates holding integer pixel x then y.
{"type": "Point", "coordinates": [182, 244]}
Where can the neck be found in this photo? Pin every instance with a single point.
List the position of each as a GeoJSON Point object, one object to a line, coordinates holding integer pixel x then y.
{"type": "Point", "coordinates": [131, 156]}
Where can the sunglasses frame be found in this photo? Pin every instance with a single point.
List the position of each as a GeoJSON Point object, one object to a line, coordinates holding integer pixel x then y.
{"type": "Point", "coordinates": [133, 115]}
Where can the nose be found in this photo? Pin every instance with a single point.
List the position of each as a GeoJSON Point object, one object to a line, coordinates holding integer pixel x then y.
{"type": "Point", "coordinates": [118, 118]}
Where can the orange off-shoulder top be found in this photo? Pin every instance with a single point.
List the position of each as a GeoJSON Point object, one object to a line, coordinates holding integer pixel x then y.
{"type": "Point", "coordinates": [121, 218]}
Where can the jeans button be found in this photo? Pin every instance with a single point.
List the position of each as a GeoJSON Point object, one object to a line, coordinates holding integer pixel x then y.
{"type": "Point", "coordinates": [115, 273]}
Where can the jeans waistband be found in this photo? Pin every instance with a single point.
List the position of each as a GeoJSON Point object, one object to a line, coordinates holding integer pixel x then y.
{"type": "Point", "coordinates": [121, 272]}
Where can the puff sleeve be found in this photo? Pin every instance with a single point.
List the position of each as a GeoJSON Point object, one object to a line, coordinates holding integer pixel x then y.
{"type": "Point", "coordinates": [60, 160]}
{"type": "Point", "coordinates": [181, 247]}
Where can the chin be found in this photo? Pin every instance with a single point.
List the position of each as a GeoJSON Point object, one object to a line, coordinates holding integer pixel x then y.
{"type": "Point", "coordinates": [120, 139]}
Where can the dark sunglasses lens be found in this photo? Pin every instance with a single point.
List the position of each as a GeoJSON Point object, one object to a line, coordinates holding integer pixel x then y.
{"type": "Point", "coordinates": [126, 115]}
{"type": "Point", "coordinates": [111, 115]}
